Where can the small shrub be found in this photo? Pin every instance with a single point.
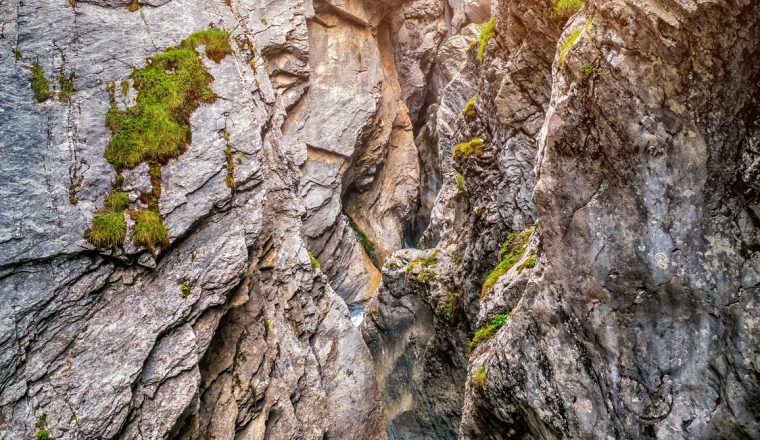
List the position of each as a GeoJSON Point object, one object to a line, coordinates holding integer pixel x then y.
{"type": "Point", "coordinates": [314, 261]}
{"type": "Point", "coordinates": [486, 33]}
{"type": "Point", "coordinates": [469, 108]}
{"type": "Point", "coordinates": [40, 84]}
{"type": "Point", "coordinates": [149, 229]}
{"type": "Point", "coordinates": [466, 149]}
{"type": "Point", "coordinates": [485, 333]}
{"type": "Point", "coordinates": [117, 201]}
{"type": "Point", "coordinates": [108, 229]}
{"type": "Point", "coordinates": [479, 378]}
{"type": "Point", "coordinates": [566, 8]}
{"type": "Point", "coordinates": [460, 182]}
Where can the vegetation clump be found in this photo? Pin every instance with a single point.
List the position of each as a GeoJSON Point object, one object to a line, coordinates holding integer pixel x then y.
{"type": "Point", "coordinates": [469, 108]}
{"type": "Point", "coordinates": [267, 327]}
{"type": "Point", "coordinates": [486, 33]}
{"type": "Point", "coordinates": [40, 425]}
{"type": "Point", "coordinates": [314, 261]}
{"type": "Point", "coordinates": [479, 377]}
{"type": "Point", "coordinates": [157, 128]}
{"type": "Point", "coordinates": [133, 6]}
{"type": "Point", "coordinates": [450, 305]}
{"type": "Point", "coordinates": [169, 88]}
{"type": "Point", "coordinates": [149, 229]}
{"type": "Point", "coordinates": [66, 84]}
{"type": "Point", "coordinates": [17, 53]}
{"type": "Point", "coordinates": [185, 289]}
{"type": "Point", "coordinates": [485, 333]}
{"type": "Point", "coordinates": [566, 8]}
{"type": "Point", "coordinates": [466, 149]}
{"type": "Point", "coordinates": [529, 262]}
{"type": "Point", "coordinates": [460, 182]}
{"type": "Point", "coordinates": [587, 69]}
{"type": "Point", "coordinates": [117, 201]}
{"type": "Point", "coordinates": [571, 38]}
{"type": "Point", "coordinates": [510, 253]}
{"type": "Point", "coordinates": [108, 229]}
{"type": "Point", "coordinates": [369, 248]}
{"type": "Point", "coordinates": [40, 84]}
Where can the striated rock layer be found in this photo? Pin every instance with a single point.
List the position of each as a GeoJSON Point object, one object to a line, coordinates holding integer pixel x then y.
{"type": "Point", "coordinates": [224, 329]}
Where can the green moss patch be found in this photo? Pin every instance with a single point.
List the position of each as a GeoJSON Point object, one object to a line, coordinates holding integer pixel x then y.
{"type": "Point", "coordinates": [169, 88]}
{"type": "Point", "coordinates": [510, 253]}
{"type": "Point", "coordinates": [566, 8]}
{"type": "Point", "coordinates": [314, 262]}
{"type": "Point", "coordinates": [486, 33]}
{"type": "Point", "coordinates": [369, 248]}
{"type": "Point", "coordinates": [40, 84]}
{"type": "Point", "coordinates": [571, 38]}
{"type": "Point", "coordinates": [485, 333]}
{"type": "Point", "coordinates": [466, 149]}
{"type": "Point", "coordinates": [469, 108]}
{"type": "Point", "coordinates": [109, 229]}
{"type": "Point", "coordinates": [149, 229]}
{"type": "Point", "coordinates": [479, 377]}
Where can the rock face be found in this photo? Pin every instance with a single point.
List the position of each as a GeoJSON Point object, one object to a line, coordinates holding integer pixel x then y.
{"type": "Point", "coordinates": [642, 320]}
{"type": "Point", "coordinates": [582, 187]}
{"type": "Point", "coordinates": [628, 134]}
{"type": "Point", "coordinates": [225, 330]}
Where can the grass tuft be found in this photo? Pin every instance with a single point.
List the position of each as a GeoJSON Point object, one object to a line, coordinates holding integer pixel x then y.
{"type": "Point", "coordinates": [485, 333]}
{"type": "Point", "coordinates": [133, 6]}
{"type": "Point", "coordinates": [185, 289]}
{"type": "Point", "coordinates": [460, 182]}
{"type": "Point", "coordinates": [67, 87]}
{"type": "Point", "coordinates": [566, 8]}
{"type": "Point", "coordinates": [149, 229]}
{"type": "Point", "coordinates": [169, 88]}
{"type": "Point", "coordinates": [466, 149]}
{"type": "Point", "coordinates": [369, 248]}
{"type": "Point", "coordinates": [117, 201]}
{"type": "Point", "coordinates": [108, 229]}
{"type": "Point", "coordinates": [479, 378]}
{"type": "Point", "coordinates": [529, 262]}
{"type": "Point", "coordinates": [510, 253]}
{"type": "Point", "coordinates": [571, 38]}
{"type": "Point", "coordinates": [486, 33]}
{"type": "Point", "coordinates": [314, 262]}
{"type": "Point", "coordinates": [469, 108]}
{"type": "Point", "coordinates": [17, 53]}
{"type": "Point", "coordinates": [40, 84]}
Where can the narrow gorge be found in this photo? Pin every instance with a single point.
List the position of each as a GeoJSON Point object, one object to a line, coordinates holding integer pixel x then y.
{"type": "Point", "coordinates": [379, 219]}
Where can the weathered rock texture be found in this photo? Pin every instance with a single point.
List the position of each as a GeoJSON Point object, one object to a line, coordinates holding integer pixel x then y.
{"type": "Point", "coordinates": [225, 331]}
{"type": "Point", "coordinates": [643, 322]}
{"type": "Point", "coordinates": [637, 125]}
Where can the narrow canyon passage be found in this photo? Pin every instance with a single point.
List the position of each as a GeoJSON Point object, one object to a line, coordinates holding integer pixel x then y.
{"type": "Point", "coordinates": [379, 219]}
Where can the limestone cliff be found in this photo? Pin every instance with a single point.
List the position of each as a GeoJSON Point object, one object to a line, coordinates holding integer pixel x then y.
{"type": "Point", "coordinates": [358, 219]}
